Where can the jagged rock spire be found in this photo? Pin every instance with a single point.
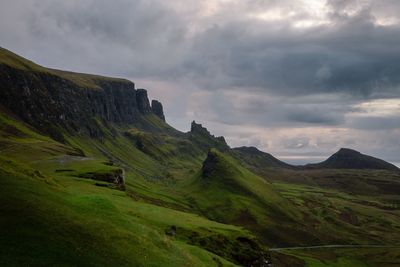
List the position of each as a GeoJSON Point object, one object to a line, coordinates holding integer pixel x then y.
{"type": "Point", "coordinates": [157, 109]}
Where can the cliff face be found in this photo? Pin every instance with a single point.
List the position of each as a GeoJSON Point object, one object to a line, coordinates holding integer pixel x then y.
{"type": "Point", "coordinates": [47, 100]}
{"type": "Point", "coordinates": [142, 101]}
{"type": "Point", "coordinates": [157, 109]}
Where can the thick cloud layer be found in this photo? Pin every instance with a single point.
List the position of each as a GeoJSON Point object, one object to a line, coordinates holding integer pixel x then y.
{"type": "Point", "coordinates": [296, 78]}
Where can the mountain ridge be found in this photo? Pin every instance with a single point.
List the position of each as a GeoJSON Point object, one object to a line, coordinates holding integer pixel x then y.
{"type": "Point", "coordinates": [257, 158]}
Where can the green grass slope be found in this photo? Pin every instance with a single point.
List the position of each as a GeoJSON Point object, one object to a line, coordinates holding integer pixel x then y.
{"type": "Point", "coordinates": [54, 215]}
{"type": "Point", "coordinates": [225, 191]}
{"type": "Point", "coordinates": [15, 61]}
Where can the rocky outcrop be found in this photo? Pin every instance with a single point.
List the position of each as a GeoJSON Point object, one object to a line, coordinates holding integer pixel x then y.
{"type": "Point", "coordinates": [157, 109]}
{"type": "Point", "coordinates": [49, 101]}
{"type": "Point", "coordinates": [209, 164]}
{"type": "Point", "coordinates": [115, 177]}
{"type": "Point", "coordinates": [142, 100]}
{"type": "Point", "coordinates": [205, 139]}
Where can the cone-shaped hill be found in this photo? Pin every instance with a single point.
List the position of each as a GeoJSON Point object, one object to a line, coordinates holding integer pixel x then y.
{"type": "Point", "coordinates": [347, 158]}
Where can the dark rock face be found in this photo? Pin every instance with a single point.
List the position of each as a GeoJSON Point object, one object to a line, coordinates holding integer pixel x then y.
{"type": "Point", "coordinates": [142, 100]}
{"type": "Point", "coordinates": [204, 138]}
{"type": "Point", "coordinates": [116, 177]}
{"type": "Point", "coordinates": [48, 102]}
{"type": "Point", "coordinates": [209, 164]}
{"type": "Point", "coordinates": [157, 109]}
{"type": "Point", "coordinates": [198, 128]}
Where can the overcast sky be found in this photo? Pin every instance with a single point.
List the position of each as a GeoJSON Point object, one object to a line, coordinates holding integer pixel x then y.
{"type": "Point", "coordinates": [296, 78]}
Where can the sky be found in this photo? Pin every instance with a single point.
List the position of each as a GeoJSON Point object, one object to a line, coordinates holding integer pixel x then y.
{"type": "Point", "coordinates": [296, 78]}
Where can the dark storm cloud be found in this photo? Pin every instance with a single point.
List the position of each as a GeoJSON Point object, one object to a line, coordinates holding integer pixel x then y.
{"type": "Point", "coordinates": [123, 37]}
{"type": "Point", "coordinates": [354, 56]}
{"type": "Point", "coordinates": [277, 111]}
{"type": "Point", "coordinates": [376, 123]}
{"type": "Point", "coordinates": [349, 54]}
{"type": "Point", "coordinates": [311, 116]}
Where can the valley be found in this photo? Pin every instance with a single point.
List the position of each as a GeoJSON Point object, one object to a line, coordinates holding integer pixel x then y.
{"type": "Point", "coordinates": [92, 175]}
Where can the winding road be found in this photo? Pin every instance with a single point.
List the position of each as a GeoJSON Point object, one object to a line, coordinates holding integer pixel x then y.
{"type": "Point", "coordinates": [333, 246]}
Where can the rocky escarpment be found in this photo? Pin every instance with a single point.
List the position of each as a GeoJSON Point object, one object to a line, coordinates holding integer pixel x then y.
{"type": "Point", "coordinates": [142, 101]}
{"type": "Point", "coordinates": [205, 139]}
{"type": "Point", "coordinates": [157, 109]}
{"type": "Point", "coordinates": [51, 99]}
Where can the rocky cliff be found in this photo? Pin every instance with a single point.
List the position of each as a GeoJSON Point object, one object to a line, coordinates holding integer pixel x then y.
{"type": "Point", "coordinates": [78, 103]}
{"type": "Point", "coordinates": [157, 109]}
{"type": "Point", "coordinates": [205, 139]}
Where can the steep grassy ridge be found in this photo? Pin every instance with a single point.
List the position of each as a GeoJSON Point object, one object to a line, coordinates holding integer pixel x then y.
{"type": "Point", "coordinates": [258, 160]}
{"type": "Point", "coordinates": [51, 214]}
{"type": "Point", "coordinates": [225, 191]}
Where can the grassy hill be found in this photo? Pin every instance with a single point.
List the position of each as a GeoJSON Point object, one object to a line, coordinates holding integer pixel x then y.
{"type": "Point", "coordinates": [120, 187]}
{"type": "Point", "coordinates": [52, 213]}
{"type": "Point", "coordinates": [347, 158]}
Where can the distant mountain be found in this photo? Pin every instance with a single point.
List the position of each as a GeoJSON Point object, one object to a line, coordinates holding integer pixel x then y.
{"type": "Point", "coordinates": [347, 158]}
{"type": "Point", "coordinates": [254, 158]}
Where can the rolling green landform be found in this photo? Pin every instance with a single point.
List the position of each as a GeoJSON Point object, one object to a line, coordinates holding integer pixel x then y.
{"type": "Point", "coordinates": [92, 175]}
